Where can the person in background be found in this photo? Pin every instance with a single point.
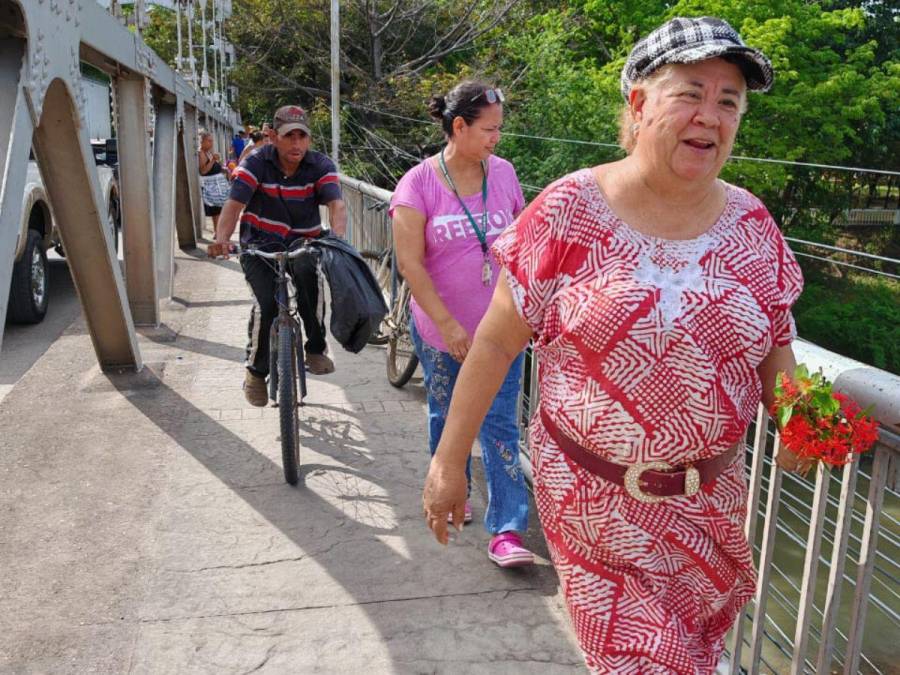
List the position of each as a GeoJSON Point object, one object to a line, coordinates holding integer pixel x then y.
{"type": "Point", "coordinates": [658, 298]}
{"type": "Point", "coordinates": [276, 195]}
{"type": "Point", "coordinates": [210, 163]}
{"type": "Point", "coordinates": [446, 212]}
{"type": "Point", "coordinates": [257, 140]}
{"type": "Point", "coordinates": [238, 143]}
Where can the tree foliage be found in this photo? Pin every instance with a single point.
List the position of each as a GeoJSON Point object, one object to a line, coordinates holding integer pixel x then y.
{"type": "Point", "coordinates": [835, 98]}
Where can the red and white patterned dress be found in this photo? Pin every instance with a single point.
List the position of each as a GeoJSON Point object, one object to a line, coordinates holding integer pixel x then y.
{"type": "Point", "coordinates": [648, 351]}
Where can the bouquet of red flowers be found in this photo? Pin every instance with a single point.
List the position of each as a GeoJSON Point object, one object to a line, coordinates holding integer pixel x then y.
{"type": "Point", "coordinates": [818, 424]}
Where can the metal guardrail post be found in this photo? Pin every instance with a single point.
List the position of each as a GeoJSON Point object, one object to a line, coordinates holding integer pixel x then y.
{"type": "Point", "coordinates": [137, 204]}
{"type": "Point", "coordinates": [832, 605]}
{"type": "Point", "coordinates": [757, 468]}
{"type": "Point", "coordinates": [810, 568]}
{"type": "Point", "coordinates": [866, 559]}
{"type": "Point", "coordinates": [164, 172]}
{"type": "Point", "coordinates": [765, 564]}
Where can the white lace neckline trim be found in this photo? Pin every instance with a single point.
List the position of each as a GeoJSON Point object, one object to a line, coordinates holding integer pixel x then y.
{"type": "Point", "coordinates": [730, 214]}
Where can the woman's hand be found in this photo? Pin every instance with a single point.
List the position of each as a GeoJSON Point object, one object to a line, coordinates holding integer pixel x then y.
{"type": "Point", "coordinates": [216, 157]}
{"type": "Point", "coordinates": [456, 338]}
{"type": "Point", "coordinates": [790, 461]}
{"type": "Point", "coordinates": [445, 492]}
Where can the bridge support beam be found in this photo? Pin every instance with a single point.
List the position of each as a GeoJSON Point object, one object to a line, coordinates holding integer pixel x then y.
{"type": "Point", "coordinates": [184, 198]}
{"type": "Point", "coordinates": [67, 168]}
{"type": "Point", "coordinates": [164, 172]}
{"type": "Point", "coordinates": [15, 143]}
{"type": "Point", "coordinates": [137, 204]}
{"type": "Point", "coordinates": [192, 141]}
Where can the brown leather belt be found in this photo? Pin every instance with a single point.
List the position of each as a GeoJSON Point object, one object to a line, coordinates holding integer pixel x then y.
{"type": "Point", "coordinates": [648, 482]}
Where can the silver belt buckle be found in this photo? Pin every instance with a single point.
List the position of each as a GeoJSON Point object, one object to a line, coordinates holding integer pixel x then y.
{"type": "Point", "coordinates": [633, 480]}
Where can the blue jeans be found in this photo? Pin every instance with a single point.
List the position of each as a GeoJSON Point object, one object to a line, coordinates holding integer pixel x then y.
{"type": "Point", "coordinates": [507, 508]}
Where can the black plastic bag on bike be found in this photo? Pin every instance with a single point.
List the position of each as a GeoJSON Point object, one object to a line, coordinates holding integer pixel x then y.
{"type": "Point", "coordinates": [357, 303]}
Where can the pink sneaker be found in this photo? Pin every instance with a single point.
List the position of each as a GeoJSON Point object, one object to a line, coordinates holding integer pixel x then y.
{"type": "Point", "coordinates": [506, 550]}
{"type": "Point", "coordinates": [467, 516]}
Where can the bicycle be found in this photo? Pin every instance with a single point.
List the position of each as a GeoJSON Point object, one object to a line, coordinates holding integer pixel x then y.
{"type": "Point", "coordinates": [380, 264]}
{"type": "Point", "coordinates": [402, 360]}
{"type": "Point", "coordinates": [287, 368]}
{"type": "Point", "coordinates": [394, 330]}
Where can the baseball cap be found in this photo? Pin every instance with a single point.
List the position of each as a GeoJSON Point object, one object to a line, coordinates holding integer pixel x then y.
{"type": "Point", "coordinates": [683, 40]}
{"type": "Point", "coordinates": [290, 117]}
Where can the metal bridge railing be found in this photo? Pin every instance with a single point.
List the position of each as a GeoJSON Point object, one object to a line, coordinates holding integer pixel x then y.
{"type": "Point", "coordinates": [827, 546]}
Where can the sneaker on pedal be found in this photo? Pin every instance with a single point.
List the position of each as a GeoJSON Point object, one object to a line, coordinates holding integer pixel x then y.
{"type": "Point", "coordinates": [319, 364]}
{"type": "Point", "coordinates": [255, 390]}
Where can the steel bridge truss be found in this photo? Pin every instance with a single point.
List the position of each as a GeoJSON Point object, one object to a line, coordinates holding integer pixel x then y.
{"type": "Point", "coordinates": [42, 46]}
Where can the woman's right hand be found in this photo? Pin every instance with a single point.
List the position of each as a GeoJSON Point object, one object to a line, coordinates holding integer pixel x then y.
{"type": "Point", "coordinates": [456, 338]}
{"type": "Point", "coordinates": [445, 492]}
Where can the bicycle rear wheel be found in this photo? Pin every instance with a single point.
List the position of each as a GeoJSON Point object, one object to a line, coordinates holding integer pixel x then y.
{"type": "Point", "coordinates": [287, 403]}
{"type": "Point", "coordinates": [380, 264]}
{"type": "Point", "coordinates": [401, 354]}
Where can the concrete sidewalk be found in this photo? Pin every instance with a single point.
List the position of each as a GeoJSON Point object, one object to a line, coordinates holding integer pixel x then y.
{"type": "Point", "coordinates": [145, 525]}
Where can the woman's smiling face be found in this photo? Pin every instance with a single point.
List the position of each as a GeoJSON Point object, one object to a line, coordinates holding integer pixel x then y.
{"type": "Point", "coordinates": [688, 122]}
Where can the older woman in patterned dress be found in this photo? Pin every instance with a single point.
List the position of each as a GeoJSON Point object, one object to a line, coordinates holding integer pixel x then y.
{"type": "Point", "coordinates": [658, 299]}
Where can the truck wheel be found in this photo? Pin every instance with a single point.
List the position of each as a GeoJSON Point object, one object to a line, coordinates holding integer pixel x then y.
{"type": "Point", "coordinates": [28, 295]}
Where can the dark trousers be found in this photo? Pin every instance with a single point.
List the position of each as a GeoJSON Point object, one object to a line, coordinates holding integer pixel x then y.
{"type": "Point", "coordinates": [261, 278]}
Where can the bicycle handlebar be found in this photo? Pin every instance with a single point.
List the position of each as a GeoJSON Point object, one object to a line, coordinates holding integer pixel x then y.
{"type": "Point", "coordinates": [270, 255]}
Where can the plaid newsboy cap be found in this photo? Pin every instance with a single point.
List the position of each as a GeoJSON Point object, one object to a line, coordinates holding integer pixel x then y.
{"type": "Point", "coordinates": [682, 40]}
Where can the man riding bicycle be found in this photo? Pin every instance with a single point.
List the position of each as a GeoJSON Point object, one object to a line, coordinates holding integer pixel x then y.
{"type": "Point", "coordinates": [280, 188]}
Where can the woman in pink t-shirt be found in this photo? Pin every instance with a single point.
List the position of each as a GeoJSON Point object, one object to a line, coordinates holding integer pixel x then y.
{"type": "Point", "coordinates": [447, 212]}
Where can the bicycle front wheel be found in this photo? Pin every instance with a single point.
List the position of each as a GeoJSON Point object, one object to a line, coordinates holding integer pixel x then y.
{"type": "Point", "coordinates": [287, 403]}
{"type": "Point", "coordinates": [401, 354]}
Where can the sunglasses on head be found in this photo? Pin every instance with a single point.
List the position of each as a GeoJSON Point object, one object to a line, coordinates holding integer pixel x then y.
{"type": "Point", "coordinates": [492, 96]}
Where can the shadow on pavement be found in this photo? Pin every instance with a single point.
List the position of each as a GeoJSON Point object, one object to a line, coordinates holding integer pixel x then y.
{"type": "Point", "coordinates": [384, 489]}
{"type": "Point", "coordinates": [210, 303]}
{"type": "Point", "coordinates": [165, 335]}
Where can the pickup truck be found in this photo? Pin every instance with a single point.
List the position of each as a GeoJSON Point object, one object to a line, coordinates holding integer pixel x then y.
{"type": "Point", "coordinates": [39, 232]}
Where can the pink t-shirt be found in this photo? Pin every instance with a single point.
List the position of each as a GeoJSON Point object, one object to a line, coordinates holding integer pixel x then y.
{"type": "Point", "coordinates": [453, 256]}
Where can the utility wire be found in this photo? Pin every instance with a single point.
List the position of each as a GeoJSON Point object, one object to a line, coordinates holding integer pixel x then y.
{"type": "Point", "coordinates": [575, 141]}
{"type": "Point", "coordinates": [552, 139]}
{"type": "Point", "coordinates": [379, 162]}
{"type": "Point", "coordinates": [387, 148]}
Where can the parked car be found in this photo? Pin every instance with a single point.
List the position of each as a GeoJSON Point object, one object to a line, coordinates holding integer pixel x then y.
{"type": "Point", "coordinates": [39, 232]}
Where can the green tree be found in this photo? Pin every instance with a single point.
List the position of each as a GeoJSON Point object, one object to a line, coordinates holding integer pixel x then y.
{"type": "Point", "coordinates": [836, 89]}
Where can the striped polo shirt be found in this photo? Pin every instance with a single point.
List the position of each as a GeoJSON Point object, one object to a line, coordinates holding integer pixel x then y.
{"type": "Point", "coordinates": [280, 208]}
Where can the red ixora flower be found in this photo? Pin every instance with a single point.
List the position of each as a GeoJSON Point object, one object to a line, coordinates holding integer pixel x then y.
{"type": "Point", "coordinates": [819, 424]}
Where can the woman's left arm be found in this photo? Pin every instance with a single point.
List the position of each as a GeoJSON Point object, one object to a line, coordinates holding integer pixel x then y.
{"type": "Point", "coordinates": [779, 360]}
